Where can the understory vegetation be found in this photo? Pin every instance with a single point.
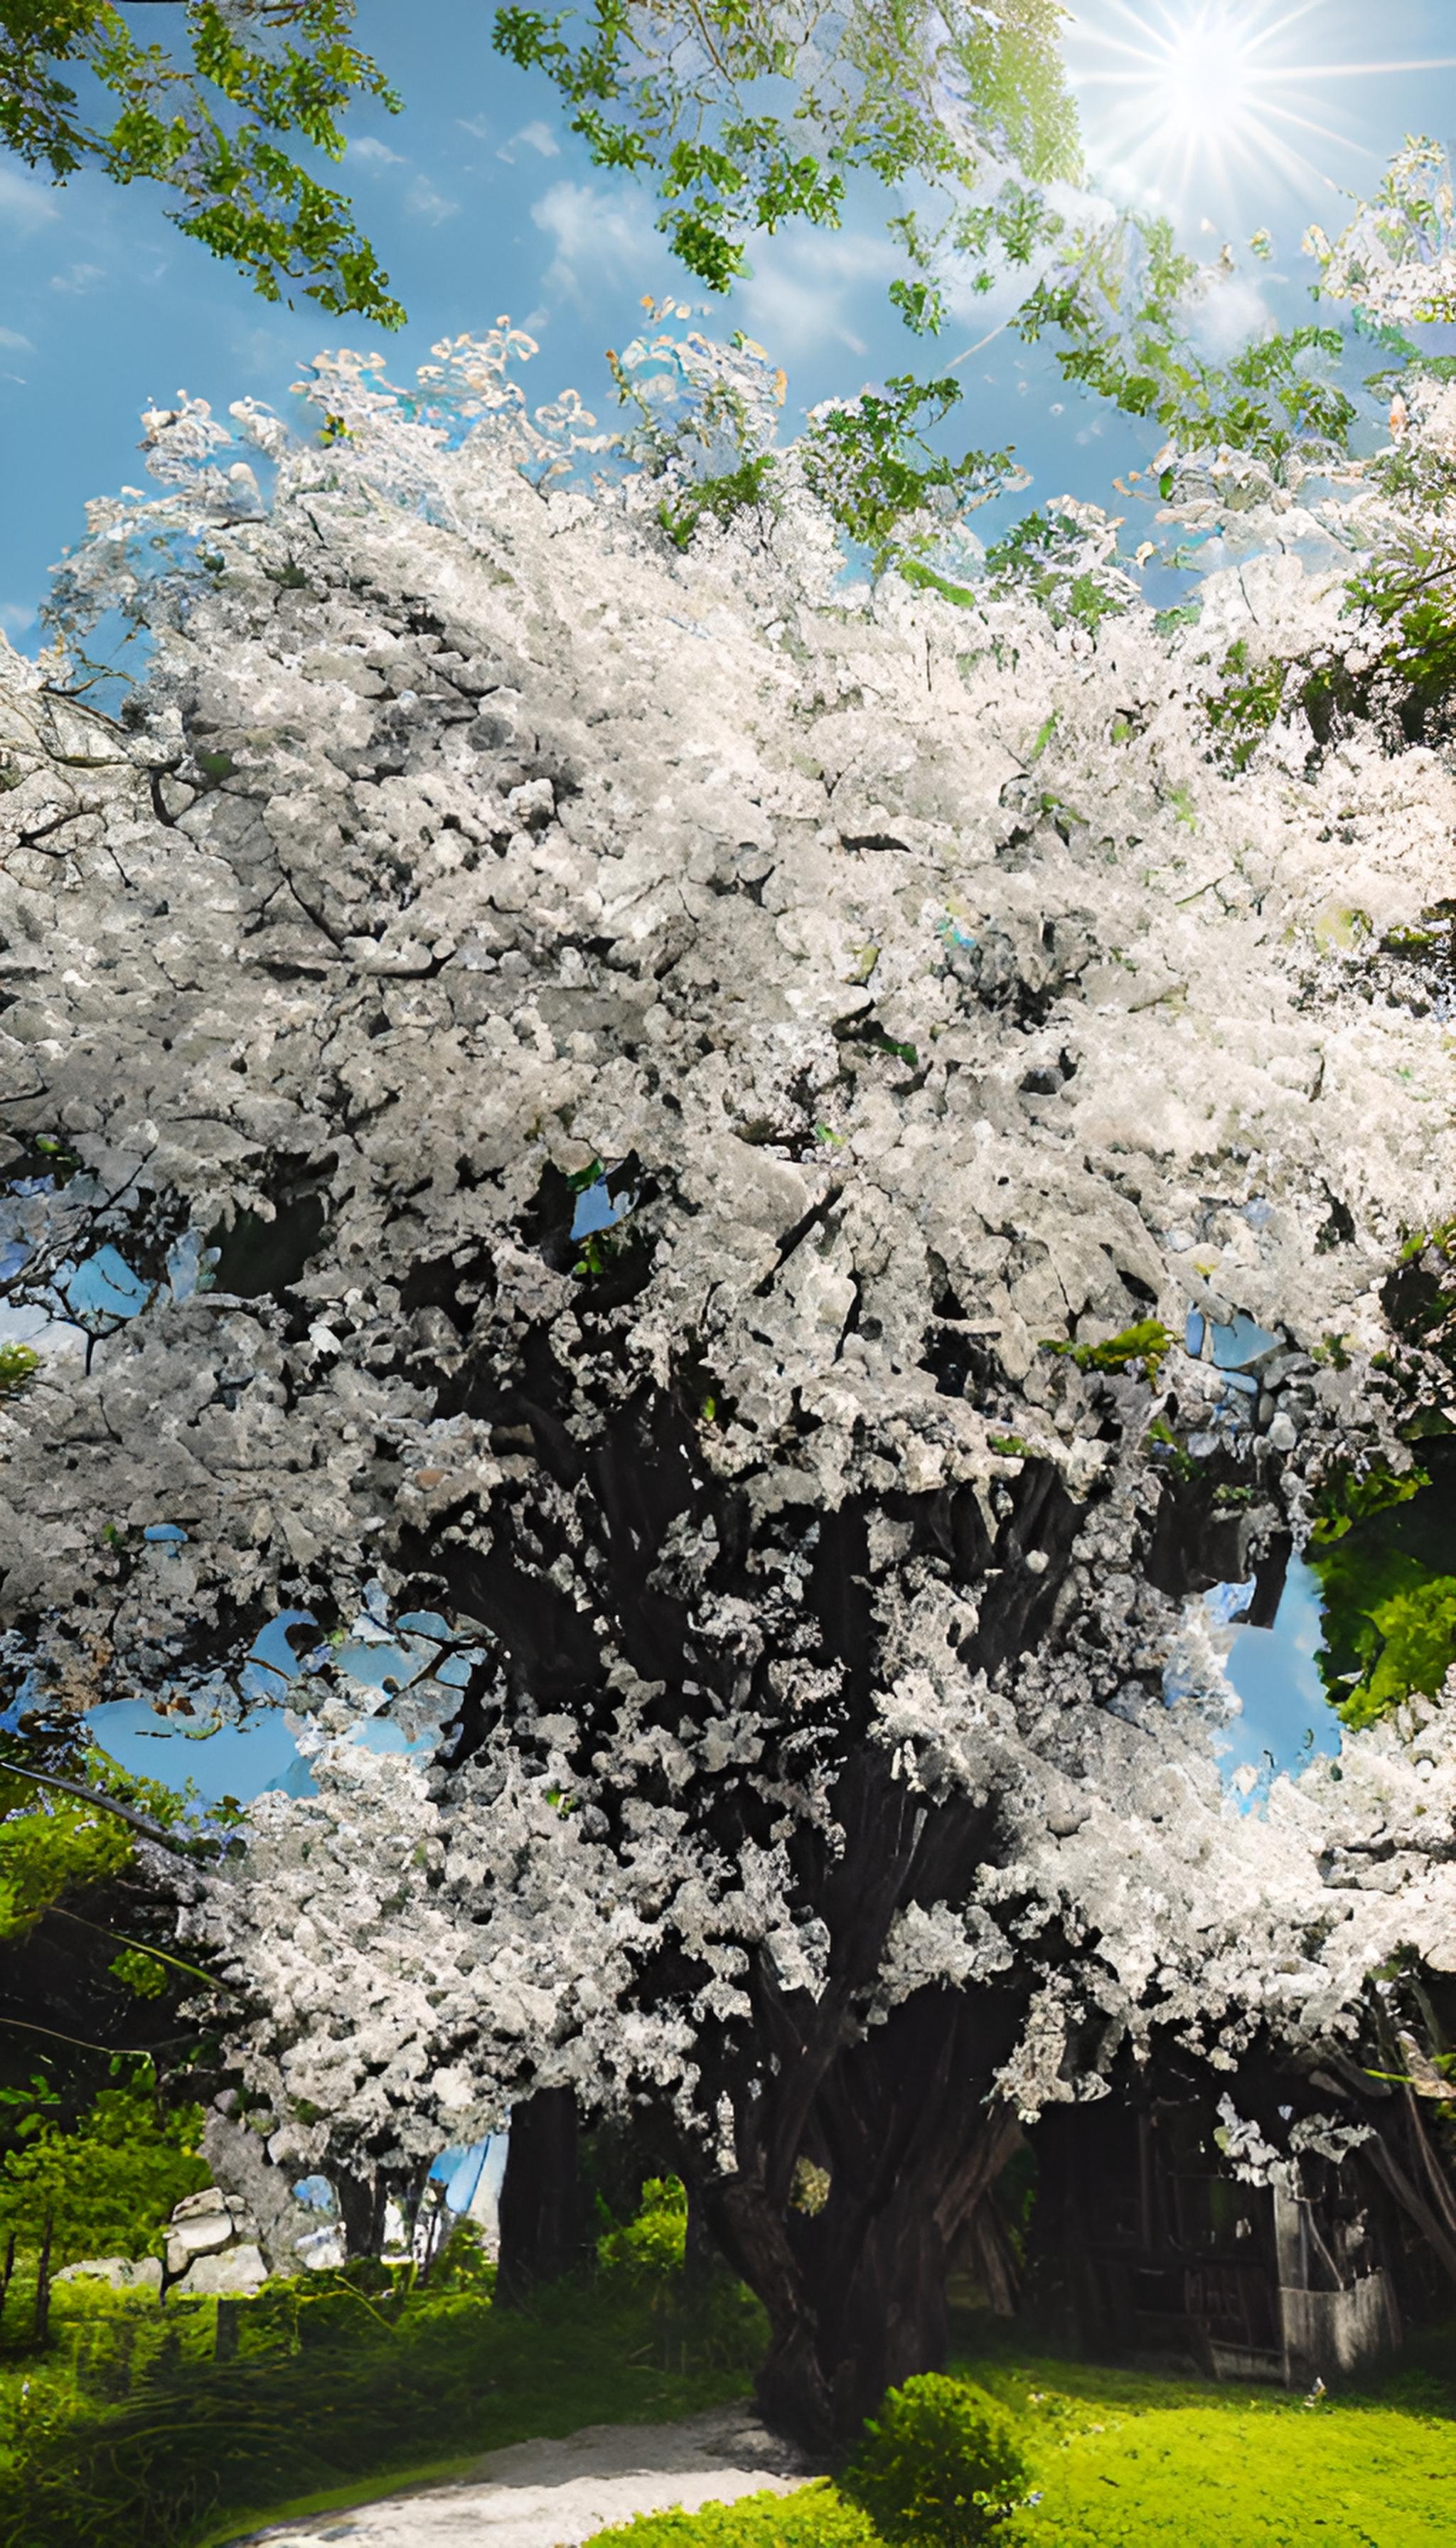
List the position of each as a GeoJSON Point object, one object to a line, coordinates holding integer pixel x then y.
{"type": "Point", "coordinates": [189, 2425]}
{"type": "Point", "coordinates": [186, 2422]}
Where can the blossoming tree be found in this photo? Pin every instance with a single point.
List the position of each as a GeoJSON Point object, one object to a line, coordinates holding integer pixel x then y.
{"type": "Point", "coordinates": [710, 1091]}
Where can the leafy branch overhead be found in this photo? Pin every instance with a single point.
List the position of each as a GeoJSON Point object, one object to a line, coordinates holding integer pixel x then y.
{"type": "Point", "coordinates": [748, 117]}
{"type": "Point", "coordinates": [217, 120]}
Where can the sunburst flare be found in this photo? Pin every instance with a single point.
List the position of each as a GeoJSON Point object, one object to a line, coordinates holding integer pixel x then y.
{"type": "Point", "coordinates": [1195, 100]}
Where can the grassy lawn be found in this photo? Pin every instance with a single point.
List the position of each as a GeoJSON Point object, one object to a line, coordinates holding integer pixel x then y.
{"type": "Point", "coordinates": [1126, 2460]}
{"type": "Point", "coordinates": [333, 2399]}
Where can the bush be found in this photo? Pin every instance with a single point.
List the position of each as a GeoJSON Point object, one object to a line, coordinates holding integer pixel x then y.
{"type": "Point", "coordinates": [813, 2516]}
{"type": "Point", "coordinates": [646, 2254]}
{"type": "Point", "coordinates": [942, 2467]}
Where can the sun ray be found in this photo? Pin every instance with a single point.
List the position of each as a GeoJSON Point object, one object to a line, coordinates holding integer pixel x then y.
{"type": "Point", "coordinates": [1323, 132]}
{"type": "Point", "coordinates": [1147, 34]}
{"type": "Point", "coordinates": [1356, 70]}
{"type": "Point", "coordinates": [1278, 26]}
{"type": "Point", "coordinates": [1191, 99]}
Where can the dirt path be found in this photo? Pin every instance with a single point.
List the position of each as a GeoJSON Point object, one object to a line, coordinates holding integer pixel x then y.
{"type": "Point", "coordinates": [556, 2494]}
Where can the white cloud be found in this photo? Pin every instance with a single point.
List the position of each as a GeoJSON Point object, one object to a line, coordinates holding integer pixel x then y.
{"type": "Point", "coordinates": [376, 155]}
{"type": "Point", "coordinates": [599, 238]}
{"type": "Point", "coordinates": [537, 136]}
{"type": "Point", "coordinates": [16, 616]}
{"type": "Point", "coordinates": [13, 342]}
{"type": "Point", "coordinates": [476, 125]}
{"type": "Point", "coordinates": [811, 290]}
{"type": "Point", "coordinates": [23, 206]}
{"type": "Point", "coordinates": [428, 204]}
{"type": "Point", "coordinates": [78, 278]}
{"type": "Point", "coordinates": [1227, 315]}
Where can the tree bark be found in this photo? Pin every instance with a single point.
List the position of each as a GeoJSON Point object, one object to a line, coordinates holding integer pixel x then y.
{"type": "Point", "coordinates": [856, 2294]}
{"type": "Point", "coordinates": [356, 2205]}
{"type": "Point", "coordinates": [987, 2248]}
{"type": "Point", "coordinates": [542, 2226]}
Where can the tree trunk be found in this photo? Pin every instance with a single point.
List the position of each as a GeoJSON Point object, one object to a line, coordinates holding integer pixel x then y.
{"type": "Point", "coordinates": [386, 2189]}
{"type": "Point", "coordinates": [987, 2250]}
{"type": "Point", "coordinates": [439, 2226]}
{"type": "Point", "coordinates": [43, 2286]}
{"type": "Point", "coordinates": [699, 2255]}
{"type": "Point", "coordinates": [7, 2271]}
{"type": "Point", "coordinates": [855, 2293]}
{"type": "Point", "coordinates": [1419, 2186]}
{"type": "Point", "coordinates": [356, 2205]}
{"type": "Point", "coordinates": [542, 2228]}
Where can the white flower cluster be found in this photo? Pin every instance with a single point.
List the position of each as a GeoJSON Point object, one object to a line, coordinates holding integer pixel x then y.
{"type": "Point", "coordinates": [1396, 258]}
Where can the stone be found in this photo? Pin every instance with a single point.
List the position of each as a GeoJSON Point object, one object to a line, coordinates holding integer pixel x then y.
{"type": "Point", "coordinates": [118, 2273]}
{"type": "Point", "coordinates": [323, 2249]}
{"type": "Point", "coordinates": [233, 2276]}
{"type": "Point", "coordinates": [204, 2231]}
{"type": "Point", "coordinates": [198, 2206]}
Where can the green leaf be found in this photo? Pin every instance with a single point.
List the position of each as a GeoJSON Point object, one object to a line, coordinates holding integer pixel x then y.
{"type": "Point", "coordinates": [1147, 1343]}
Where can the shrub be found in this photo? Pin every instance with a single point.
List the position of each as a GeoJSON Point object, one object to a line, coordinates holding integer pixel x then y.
{"type": "Point", "coordinates": [813, 2516]}
{"type": "Point", "coordinates": [646, 2254]}
{"type": "Point", "coordinates": [942, 2467]}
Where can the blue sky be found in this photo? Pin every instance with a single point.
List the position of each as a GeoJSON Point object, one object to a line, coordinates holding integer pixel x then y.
{"type": "Point", "coordinates": [478, 201]}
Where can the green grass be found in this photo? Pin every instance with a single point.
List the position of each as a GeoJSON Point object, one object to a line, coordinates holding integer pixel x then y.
{"type": "Point", "coordinates": [336, 2398]}
{"type": "Point", "coordinates": [1266, 2477]}
{"type": "Point", "coordinates": [1127, 2460]}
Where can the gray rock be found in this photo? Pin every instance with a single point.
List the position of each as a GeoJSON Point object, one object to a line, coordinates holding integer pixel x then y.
{"type": "Point", "coordinates": [199, 2236]}
{"type": "Point", "coordinates": [237, 2275]}
{"type": "Point", "coordinates": [195, 2207]}
{"type": "Point", "coordinates": [118, 2273]}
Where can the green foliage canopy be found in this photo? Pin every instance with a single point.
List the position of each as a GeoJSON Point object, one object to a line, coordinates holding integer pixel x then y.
{"type": "Point", "coordinates": [646, 2252]}
{"type": "Point", "coordinates": [51, 1845]}
{"type": "Point", "coordinates": [108, 2186]}
{"type": "Point", "coordinates": [214, 120]}
{"type": "Point", "coordinates": [54, 1842]}
{"type": "Point", "coordinates": [748, 117]}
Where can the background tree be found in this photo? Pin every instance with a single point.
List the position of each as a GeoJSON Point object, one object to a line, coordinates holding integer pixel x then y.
{"type": "Point", "coordinates": [98, 2138]}
{"type": "Point", "coordinates": [105, 2186]}
{"type": "Point", "coordinates": [745, 120]}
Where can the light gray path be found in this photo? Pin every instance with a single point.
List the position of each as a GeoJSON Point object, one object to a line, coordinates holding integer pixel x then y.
{"type": "Point", "coordinates": [556, 2494]}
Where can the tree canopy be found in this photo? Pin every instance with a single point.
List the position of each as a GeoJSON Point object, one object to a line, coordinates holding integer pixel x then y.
{"type": "Point", "coordinates": [213, 117]}
{"type": "Point", "coordinates": [743, 120]}
{"type": "Point", "coordinates": [746, 117]}
{"type": "Point", "coordinates": [706, 1092]}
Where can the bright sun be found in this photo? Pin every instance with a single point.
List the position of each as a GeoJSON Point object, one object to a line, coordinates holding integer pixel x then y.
{"type": "Point", "coordinates": [1195, 97]}
{"type": "Point", "coordinates": [1205, 90]}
